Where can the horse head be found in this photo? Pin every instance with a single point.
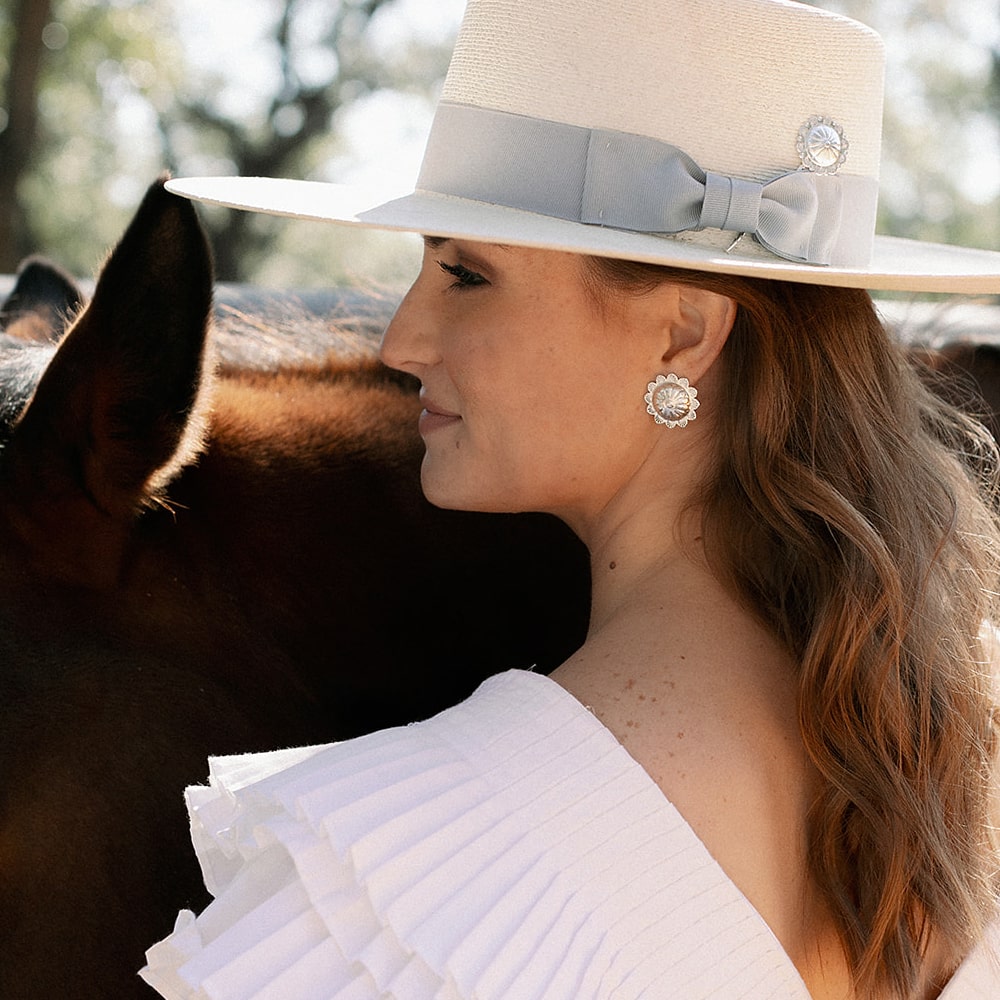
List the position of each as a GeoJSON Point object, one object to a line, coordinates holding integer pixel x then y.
{"type": "Point", "coordinates": [212, 540]}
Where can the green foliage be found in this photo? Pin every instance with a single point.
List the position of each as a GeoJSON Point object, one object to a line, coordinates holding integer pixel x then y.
{"type": "Point", "coordinates": [130, 88]}
{"type": "Point", "coordinates": [105, 68]}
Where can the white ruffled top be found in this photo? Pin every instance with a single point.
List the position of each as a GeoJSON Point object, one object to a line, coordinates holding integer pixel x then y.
{"type": "Point", "coordinates": [506, 848]}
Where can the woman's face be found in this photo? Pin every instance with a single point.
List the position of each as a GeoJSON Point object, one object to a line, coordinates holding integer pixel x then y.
{"type": "Point", "coordinates": [532, 393]}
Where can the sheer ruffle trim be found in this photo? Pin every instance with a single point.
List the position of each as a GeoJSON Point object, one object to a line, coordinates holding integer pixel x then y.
{"type": "Point", "coordinates": [507, 848]}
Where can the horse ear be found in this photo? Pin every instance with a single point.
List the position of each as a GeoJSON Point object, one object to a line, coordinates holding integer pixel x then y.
{"type": "Point", "coordinates": [119, 410]}
{"type": "Point", "coordinates": [41, 304]}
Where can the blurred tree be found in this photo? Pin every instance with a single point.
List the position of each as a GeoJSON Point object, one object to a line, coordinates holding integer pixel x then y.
{"type": "Point", "coordinates": [24, 31]}
{"type": "Point", "coordinates": [98, 96]}
{"type": "Point", "coordinates": [324, 60]}
{"type": "Point", "coordinates": [100, 67]}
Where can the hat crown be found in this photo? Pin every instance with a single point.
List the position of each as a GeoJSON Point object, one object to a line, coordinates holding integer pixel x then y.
{"type": "Point", "coordinates": [728, 81]}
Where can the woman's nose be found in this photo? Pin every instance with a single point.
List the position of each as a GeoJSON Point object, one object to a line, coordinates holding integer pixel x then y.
{"type": "Point", "coordinates": [407, 341]}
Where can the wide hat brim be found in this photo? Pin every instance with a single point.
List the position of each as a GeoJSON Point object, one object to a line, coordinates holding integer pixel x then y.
{"type": "Point", "coordinates": [896, 265]}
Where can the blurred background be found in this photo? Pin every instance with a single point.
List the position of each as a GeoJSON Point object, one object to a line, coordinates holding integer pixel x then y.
{"type": "Point", "coordinates": [97, 97]}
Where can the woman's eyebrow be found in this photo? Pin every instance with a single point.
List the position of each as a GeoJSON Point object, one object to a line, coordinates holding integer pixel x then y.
{"type": "Point", "coordinates": [436, 242]}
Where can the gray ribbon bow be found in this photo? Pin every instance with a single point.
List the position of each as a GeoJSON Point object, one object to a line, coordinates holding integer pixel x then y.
{"type": "Point", "coordinates": [632, 182]}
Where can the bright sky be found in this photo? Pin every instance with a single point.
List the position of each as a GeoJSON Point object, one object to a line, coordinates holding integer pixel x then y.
{"type": "Point", "coordinates": [387, 134]}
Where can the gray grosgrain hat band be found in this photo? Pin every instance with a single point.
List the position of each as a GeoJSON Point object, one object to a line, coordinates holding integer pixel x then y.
{"type": "Point", "coordinates": [633, 182]}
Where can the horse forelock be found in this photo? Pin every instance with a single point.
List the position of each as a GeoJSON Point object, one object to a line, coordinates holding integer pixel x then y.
{"type": "Point", "coordinates": [287, 371]}
{"type": "Point", "coordinates": [286, 333]}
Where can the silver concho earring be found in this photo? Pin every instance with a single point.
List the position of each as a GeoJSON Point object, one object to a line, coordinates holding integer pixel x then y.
{"type": "Point", "coordinates": [671, 400]}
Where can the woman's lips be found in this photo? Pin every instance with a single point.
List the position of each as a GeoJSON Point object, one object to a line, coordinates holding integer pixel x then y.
{"type": "Point", "coordinates": [434, 417]}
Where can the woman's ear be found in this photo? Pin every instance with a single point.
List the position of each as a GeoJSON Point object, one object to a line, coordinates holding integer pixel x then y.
{"type": "Point", "coordinates": [698, 329]}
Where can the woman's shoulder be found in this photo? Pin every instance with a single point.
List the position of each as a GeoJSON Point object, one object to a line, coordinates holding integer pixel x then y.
{"type": "Point", "coordinates": [716, 730]}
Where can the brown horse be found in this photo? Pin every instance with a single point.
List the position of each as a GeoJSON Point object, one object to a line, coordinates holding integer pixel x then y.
{"type": "Point", "coordinates": [194, 564]}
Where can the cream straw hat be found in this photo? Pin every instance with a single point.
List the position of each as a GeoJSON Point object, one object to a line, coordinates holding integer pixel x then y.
{"type": "Point", "coordinates": [653, 130]}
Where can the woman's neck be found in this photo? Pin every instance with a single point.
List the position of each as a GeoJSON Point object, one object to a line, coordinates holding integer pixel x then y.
{"type": "Point", "coordinates": [652, 555]}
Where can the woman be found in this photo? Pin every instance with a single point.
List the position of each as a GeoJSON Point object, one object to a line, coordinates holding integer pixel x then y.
{"type": "Point", "coordinates": [768, 771]}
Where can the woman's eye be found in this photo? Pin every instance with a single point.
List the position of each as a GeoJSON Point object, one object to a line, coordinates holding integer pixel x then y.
{"type": "Point", "coordinates": [464, 278]}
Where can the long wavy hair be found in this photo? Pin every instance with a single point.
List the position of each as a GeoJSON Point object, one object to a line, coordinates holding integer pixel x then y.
{"type": "Point", "coordinates": [852, 510]}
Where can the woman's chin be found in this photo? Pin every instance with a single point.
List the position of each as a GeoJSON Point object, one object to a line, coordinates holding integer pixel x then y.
{"type": "Point", "coordinates": [446, 493]}
{"type": "Point", "coordinates": [440, 491]}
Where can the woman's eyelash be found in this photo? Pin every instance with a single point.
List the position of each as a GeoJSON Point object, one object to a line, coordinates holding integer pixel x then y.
{"type": "Point", "coordinates": [464, 278]}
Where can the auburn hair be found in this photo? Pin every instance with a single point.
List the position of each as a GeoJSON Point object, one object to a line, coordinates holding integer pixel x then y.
{"type": "Point", "coordinates": [852, 510]}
